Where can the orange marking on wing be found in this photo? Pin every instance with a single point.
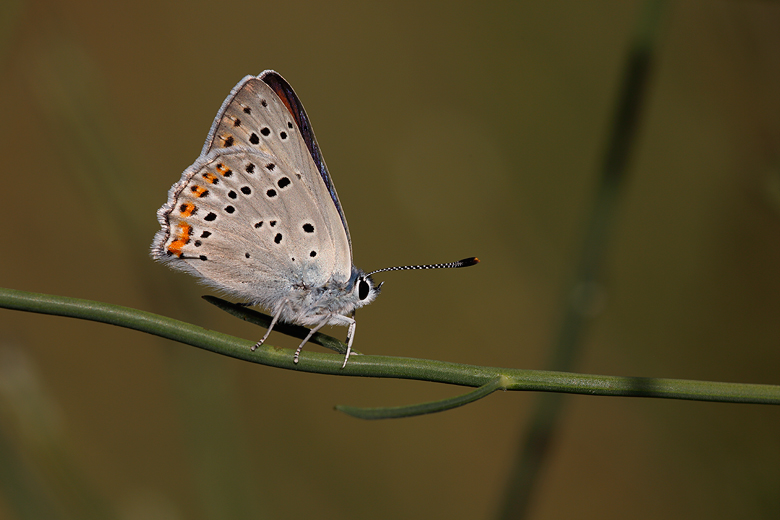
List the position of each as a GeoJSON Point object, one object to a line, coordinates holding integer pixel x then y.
{"type": "Point", "coordinates": [187, 209]}
{"type": "Point", "coordinates": [182, 238]}
{"type": "Point", "coordinates": [222, 169]}
{"type": "Point", "coordinates": [199, 191]}
{"type": "Point", "coordinates": [210, 177]}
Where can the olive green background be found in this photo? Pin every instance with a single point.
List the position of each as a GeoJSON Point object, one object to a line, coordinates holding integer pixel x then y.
{"type": "Point", "coordinates": [451, 129]}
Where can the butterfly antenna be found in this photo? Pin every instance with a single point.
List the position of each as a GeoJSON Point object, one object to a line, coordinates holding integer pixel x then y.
{"type": "Point", "coordinates": [466, 262]}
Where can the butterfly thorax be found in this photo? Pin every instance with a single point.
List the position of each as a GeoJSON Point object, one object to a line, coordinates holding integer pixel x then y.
{"type": "Point", "coordinates": [310, 305]}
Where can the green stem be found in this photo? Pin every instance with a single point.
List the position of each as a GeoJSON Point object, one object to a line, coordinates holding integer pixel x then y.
{"type": "Point", "coordinates": [389, 367]}
{"type": "Point", "coordinates": [396, 412]}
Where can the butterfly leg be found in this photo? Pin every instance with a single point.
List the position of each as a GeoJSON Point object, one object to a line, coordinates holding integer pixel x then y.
{"type": "Point", "coordinates": [271, 326]}
{"type": "Point", "coordinates": [311, 333]}
{"type": "Point", "coordinates": [351, 331]}
{"type": "Point", "coordinates": [350, 337]}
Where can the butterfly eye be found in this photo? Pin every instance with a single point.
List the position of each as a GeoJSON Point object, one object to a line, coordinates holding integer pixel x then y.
{"type": "Point", "coordinates": [363, 289]}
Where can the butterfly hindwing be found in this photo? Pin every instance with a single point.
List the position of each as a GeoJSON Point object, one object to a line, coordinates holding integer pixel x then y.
{"type": "Point", "coordinates": [246, 225]}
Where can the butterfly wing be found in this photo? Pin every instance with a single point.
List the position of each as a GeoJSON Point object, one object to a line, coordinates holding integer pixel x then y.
{"type": "Point", "coordinates": [294, 106]}
{"type": "Point", "coordinates": [234, 126]}
{"type": "Point", "coordinates": [253, 216]}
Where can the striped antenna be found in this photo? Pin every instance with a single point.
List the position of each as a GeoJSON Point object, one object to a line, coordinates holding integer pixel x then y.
{"type": "Point", "coordinates": [466, 262]}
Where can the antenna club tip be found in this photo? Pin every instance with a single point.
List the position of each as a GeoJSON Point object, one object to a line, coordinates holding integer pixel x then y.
{"type": "Point", "coordinates": [466, 262]}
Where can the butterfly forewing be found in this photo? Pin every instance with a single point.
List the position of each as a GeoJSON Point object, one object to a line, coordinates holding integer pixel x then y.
{"type": "Point", "coordinates": [254, 116]}
{"type": "Point", "coordinates": [287, 95]}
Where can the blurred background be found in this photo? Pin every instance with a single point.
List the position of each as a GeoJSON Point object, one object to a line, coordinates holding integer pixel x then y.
{"type": "Point", "coordinates": [451, 129]}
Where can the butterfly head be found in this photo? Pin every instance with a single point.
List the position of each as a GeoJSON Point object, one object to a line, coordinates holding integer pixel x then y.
{"type": "Point", "coordinates": [364, 291]}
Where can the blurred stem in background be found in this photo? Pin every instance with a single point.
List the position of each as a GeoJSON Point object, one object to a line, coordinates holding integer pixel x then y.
{"type": "Point", "coordinates": [583, 295]}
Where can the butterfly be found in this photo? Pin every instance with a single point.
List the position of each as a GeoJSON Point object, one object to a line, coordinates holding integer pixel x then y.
{"type": "Point", "coordinates": [257, 216]}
